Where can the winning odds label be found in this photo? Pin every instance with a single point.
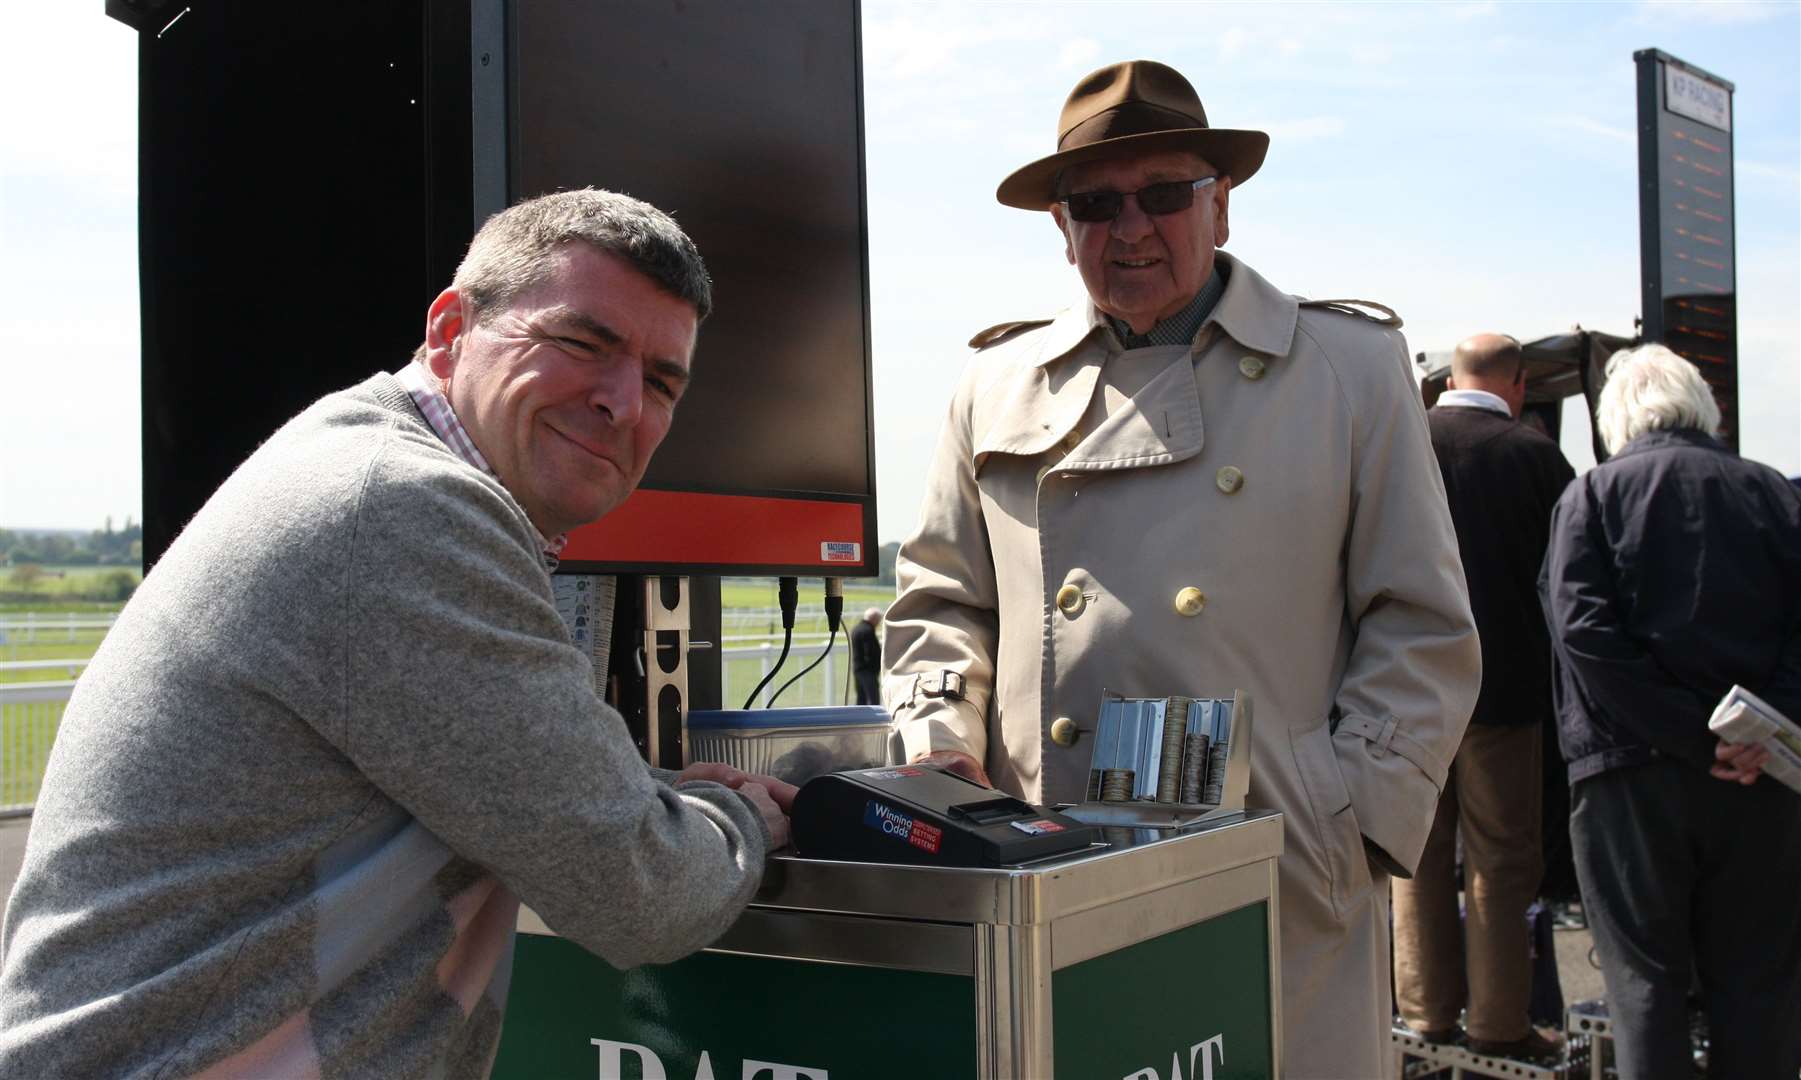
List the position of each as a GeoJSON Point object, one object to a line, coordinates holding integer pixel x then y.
{"type": "Point", "coordinates": [891, 822]}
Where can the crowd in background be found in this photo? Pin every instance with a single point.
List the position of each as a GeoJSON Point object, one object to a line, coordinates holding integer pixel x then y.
{"type": "Point", "coordinates": [1620, 607]}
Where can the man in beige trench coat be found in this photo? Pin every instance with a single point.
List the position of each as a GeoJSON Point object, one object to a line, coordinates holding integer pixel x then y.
{"type": "Point", "coordinates": [1191, 484]}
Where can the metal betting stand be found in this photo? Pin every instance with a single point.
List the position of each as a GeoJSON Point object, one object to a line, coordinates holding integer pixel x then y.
{"type": "Point", "coordinates": [1155, 951]}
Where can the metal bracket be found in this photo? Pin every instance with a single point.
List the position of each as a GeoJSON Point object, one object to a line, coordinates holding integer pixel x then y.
{"type": "Point", "coordinates": [665, 654]}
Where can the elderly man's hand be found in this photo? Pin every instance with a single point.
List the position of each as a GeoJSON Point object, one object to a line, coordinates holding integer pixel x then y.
{"type": "Point", "coordinates": [958, 762]}
{"type": "Point", "coordinates": [1738, 762]}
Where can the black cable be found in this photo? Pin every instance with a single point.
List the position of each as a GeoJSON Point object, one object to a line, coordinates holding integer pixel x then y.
{"type": "Point", "coordinates": [849, 662]}
{"type": "Point", "coordinates": [787, 640]}
{"type": "Point", "coordinates": [830, 641]}
{"type": "Point", "coordinates": [834, 615]}
{"type": "Point", "coordinates": [788, 598]}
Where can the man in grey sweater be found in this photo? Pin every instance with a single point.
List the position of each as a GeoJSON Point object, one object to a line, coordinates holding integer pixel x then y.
{"type": "Point", "coordinates": [340, 733]}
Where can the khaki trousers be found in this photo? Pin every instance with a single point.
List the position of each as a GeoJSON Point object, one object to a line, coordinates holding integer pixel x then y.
{"type": "Point", "coordinates": [1492, 797]}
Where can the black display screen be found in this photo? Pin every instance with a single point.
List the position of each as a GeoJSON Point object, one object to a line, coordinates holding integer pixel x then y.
{"type": "Point", "coordinates": [744, 121]}
{"type": "Point", "coordinates": [1686, 221]}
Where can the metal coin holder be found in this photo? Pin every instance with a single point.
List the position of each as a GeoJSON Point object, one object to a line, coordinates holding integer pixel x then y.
{"type": "Point", "coordinates": [1168, 760]}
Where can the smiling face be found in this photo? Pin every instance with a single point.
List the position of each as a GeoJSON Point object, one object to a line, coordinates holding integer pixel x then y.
{"type": "Point", "coordinates": [569, 388]}
{"type": "Point", "coordinates": [1141, 267]}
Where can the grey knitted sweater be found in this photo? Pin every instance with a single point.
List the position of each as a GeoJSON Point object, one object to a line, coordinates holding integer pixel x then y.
{"type": "Point", "coordinates": [336, 737]}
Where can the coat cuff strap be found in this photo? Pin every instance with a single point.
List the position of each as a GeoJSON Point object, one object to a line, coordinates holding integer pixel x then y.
{"type": "Point", "coordinates": [1385, 736]}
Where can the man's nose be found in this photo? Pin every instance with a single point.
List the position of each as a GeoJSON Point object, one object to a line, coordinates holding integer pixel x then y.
{"type": "Point", "coordinates": [618, 394]}
{"type": "Point", "coordinates": [1132, 224]}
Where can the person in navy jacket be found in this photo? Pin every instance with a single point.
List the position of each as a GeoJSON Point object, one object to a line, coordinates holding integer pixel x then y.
{"type": "Point", "coordinates": [1674, 572]}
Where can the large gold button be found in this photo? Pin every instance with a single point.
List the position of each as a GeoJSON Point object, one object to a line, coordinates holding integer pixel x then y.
{"type": "Point", "coordinates": [1063, 731]}
{"type": "Point", "coordinates": [1251, 367]}
{"type": "Point", "coordinates": [1229, 478]}
{"type": "Point", "coordinates": [1190, 601]}
{"type": "Point", "coordinates": [1069, 599]}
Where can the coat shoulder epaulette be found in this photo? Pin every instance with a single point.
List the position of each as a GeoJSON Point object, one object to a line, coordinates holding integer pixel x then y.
{"type": "Point", "coordinates": [1003, 330]}
{"type": "Point", "coordinates": [1354, 308]}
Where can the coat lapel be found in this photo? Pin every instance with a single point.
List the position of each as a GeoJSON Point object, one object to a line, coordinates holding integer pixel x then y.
{"type": "Point", "coordinates": [1038, 401]}
{"type": "Point", "coordinates": [1051, 383]}
{"type": "Point", "coordinates": [1157, 425]}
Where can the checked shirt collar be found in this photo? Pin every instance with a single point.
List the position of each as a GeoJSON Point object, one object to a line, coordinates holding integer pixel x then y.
{"type": "Point", "coordinates": [443, 420]}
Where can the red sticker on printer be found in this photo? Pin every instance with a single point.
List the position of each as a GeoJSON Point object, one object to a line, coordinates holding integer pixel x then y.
{"type": "Point", "coordinates": [1034, 828]}
{"type": "Point", "coordinates": [893, 774]}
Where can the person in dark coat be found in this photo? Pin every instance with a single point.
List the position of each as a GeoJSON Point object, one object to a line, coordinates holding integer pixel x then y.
{"type": "Point", "coordinates": [1674, 572]}
{"type": "Point", "coordinates": [866, 657]}
{"type": "Point", "coordinates": [1501, 479]}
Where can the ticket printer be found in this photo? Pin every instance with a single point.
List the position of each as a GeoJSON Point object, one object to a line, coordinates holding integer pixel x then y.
{"type": "Point", "coordinates": [924, 815]}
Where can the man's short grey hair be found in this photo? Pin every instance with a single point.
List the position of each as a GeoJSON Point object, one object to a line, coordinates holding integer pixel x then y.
{"type": "Point", "coordinates": [517, 248]}
{"type": "Point", "coordinates": [1650, 388]}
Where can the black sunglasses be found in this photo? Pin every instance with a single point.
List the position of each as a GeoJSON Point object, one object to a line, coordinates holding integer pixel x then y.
{"type": "Point", "coordinates": [1164, 198]}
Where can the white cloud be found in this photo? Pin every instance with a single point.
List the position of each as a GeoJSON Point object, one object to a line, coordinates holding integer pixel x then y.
{"type": "Point", "coordinates": [917, 41]}
{"type": "Point", "coordinates": [70, 116]}
{"type": "Point", "coordinates": [1311, 127]}
{"type": "Point", "coordinates": [1788, 174]}
{"type": "Point", "coordinates": [1481, 10]}
{"type": "Point", "coordinates": [1719, 12]}
{"type": "Point", "coordinates": [1596, 127]}
{"type": "Point", "coordinates": [1078, 55]}
{"type": "Point", "coordinates": [1232, 44]}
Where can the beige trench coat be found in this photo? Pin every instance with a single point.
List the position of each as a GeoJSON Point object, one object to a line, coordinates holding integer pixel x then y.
{"type": "Point", "coordinates": [1282, 468]}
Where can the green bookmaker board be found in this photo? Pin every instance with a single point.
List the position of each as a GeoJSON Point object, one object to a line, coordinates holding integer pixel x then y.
{"type": "Point", "coordinates": [1174, 1005]}
{"type": "Point", "coordinates": [1150, 959]}
{"type": "Point", "coordinates": [728, 1016]}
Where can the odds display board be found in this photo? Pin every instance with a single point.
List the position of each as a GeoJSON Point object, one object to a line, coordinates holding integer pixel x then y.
{"type": "Point", "coordinates": [1687, 262]}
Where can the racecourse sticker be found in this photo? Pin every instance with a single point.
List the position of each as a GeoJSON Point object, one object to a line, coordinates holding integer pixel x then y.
{"type": "Point", "coordinates": [1034, 828]}
{"type": "Point", "coordinates": [840, 551]}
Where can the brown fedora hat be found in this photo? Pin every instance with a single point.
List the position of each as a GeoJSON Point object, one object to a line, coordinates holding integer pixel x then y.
{"type": "Point", "coordinates": [1136, 107]}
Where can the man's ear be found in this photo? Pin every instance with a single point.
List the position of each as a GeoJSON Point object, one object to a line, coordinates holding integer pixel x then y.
{"type": "Point", "coordinates": [1069, 243]}
{"type": "Point", "coordinates": [443, 326]}
{"type": "Point", "coordinates": [1451, 382]}
{"type": "Point", "coordinates": [1221, 200]}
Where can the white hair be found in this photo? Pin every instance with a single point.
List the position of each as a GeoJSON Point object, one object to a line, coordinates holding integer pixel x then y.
{"type": "Point", "coordinates": [1650, 388]}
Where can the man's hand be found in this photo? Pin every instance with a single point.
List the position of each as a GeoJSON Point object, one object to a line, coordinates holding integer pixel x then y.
{"type": "Point", "coordinates": [773, 814]}
{"type": "Point", "coordinates": [958, 762]}
{"type": "Point", "coordinates": [782, 792]}
{"type": "Point", "coordinates": [773, 798]}
{"type": "Point", "coordinates": [1738, 762]}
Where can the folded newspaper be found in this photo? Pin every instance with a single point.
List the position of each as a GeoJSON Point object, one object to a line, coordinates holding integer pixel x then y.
{"type": "Point", "coordinates": [1743, 717]}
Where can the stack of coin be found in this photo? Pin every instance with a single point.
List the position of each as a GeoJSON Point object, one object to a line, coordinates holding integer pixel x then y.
{"type": "Point", "coordinates": [1216, 774]}
{"type": "Point", "coordinates": [1194, 767]}
{"type": "Point", "coordinates": [1169, 771]}
{"type": "Point", "coordinates": [1116, 785]}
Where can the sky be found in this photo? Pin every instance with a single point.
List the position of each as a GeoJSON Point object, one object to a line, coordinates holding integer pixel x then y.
{"type": "Point", "coordinates": [1472, 166]}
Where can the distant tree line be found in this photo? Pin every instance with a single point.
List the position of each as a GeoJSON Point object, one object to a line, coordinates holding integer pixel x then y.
{"type": "Point", "coordinates": [885, 556]}
{"type": "Point", "coordinates": [103, 547]}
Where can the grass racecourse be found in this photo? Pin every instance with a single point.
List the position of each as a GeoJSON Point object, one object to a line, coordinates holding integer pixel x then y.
{"type": "Point", "coordinates": [56, 610]}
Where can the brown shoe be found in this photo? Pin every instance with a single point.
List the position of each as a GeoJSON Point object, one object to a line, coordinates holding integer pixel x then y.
{"type": "Point", "coordinates": [1533, 1047]}
{"type": "Point", "coordinates": [1438, 1036]}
